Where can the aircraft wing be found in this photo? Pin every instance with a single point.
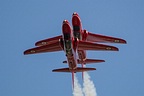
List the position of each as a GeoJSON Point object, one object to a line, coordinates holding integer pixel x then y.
{"type": "Point", "coordinates": [83, 45]}
{"type": "Point", "coordinates": [48, 41]}
{"type": "Point", "coordinates": [45, 48]}
{"type": "Point", "coordinates": [101, 38]}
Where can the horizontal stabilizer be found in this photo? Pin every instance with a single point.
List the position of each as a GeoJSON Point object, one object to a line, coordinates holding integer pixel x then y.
{"type": "Point", "coordinates": [78, 69]}
{"type": "Point", "coordinates": [88, 61]}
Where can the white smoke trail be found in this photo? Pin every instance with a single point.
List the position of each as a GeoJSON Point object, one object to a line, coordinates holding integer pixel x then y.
{"type": "Point", "coordinates": [77, 90]}
{"type": "Point", "coordinates": [89, 88]}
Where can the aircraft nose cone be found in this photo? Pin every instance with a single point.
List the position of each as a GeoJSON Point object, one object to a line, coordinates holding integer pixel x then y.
{"type": "Point", "coordinates": [74, 13]}
{"type": "Point", "coordinates": [65, 21]}
{"type": "Point", "coordinates": [66, 28]}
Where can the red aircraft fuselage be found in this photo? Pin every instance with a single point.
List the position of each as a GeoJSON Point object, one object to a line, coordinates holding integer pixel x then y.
{"type": "Point", "coordinates": [78, 33]}
{"type": "Point", "coordinates": [69, 48]}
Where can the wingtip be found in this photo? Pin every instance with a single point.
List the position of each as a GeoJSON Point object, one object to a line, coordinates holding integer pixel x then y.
{"type": "Point", "coordinates": [102, 60]}
{"type": "Point", "coordinates": [113, 48]}
{"type": "Point", "coordinates": [38, 44]}
{"type": "Point", "coordinates": [26, 52]}
{"type": "Point", "coordinates": [116, 49]}
{"type": "Point", "coordinates": [123, 41]}
{"type": "Point", "coordinates": [29, 51]}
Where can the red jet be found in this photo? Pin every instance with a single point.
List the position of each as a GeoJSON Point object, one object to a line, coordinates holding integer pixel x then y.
{"type": "Point", "coordinates": [70, 45]}
{"type": "Point", "coordinates": [83, 35]}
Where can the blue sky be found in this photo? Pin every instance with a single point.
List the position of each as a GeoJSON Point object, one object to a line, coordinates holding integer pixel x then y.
{"type": "Point", "coordinates": [23, 22]}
